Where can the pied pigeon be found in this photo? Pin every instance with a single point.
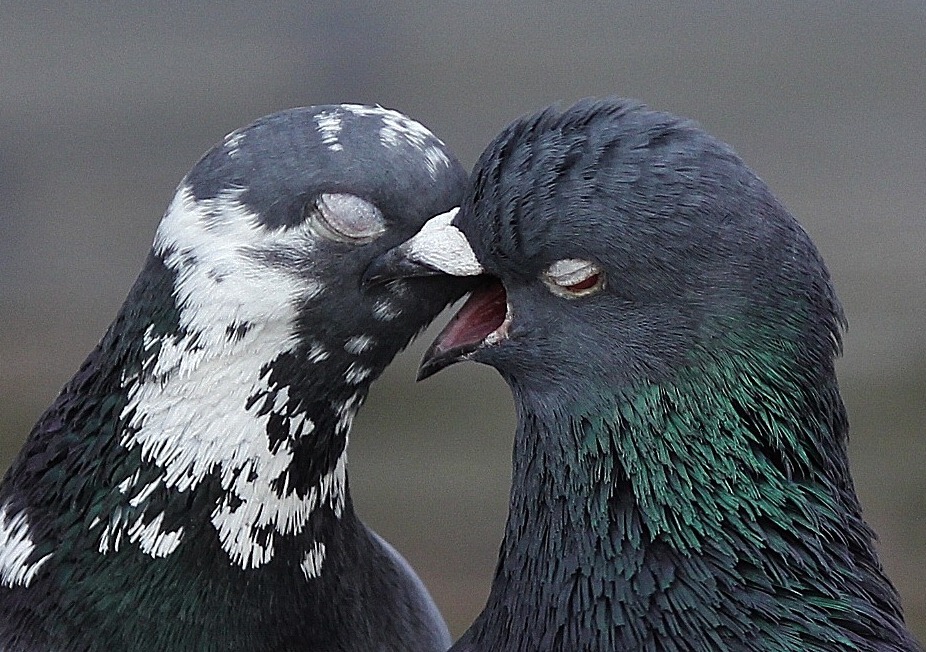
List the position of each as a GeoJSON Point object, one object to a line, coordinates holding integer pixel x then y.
{"type": "Point", "coordinates": [188, 488]}
{"type": "Point", "coordinates": [669, 331]}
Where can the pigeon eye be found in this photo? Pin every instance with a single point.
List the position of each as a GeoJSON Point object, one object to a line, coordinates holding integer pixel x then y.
{"type": "Point", "coordinates": [345, 218]}
{"type": "Point", "coordinates": [572, 278]}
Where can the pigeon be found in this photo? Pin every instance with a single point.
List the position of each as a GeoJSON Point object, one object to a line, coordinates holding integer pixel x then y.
{"type": "Point", "coordinates": [187, 490]}
{"type": "Point", "coordinates": [668, 330]}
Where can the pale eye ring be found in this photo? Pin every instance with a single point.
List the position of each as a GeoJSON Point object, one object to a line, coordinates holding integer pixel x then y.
{"type": "Point", "coordinates": [573, 277]}
{"type": "Point", "coordinates": [345, 218]}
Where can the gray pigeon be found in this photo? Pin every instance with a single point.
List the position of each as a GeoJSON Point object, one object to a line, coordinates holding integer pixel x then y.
{"type": "Point", "coordinates": [669, 333]}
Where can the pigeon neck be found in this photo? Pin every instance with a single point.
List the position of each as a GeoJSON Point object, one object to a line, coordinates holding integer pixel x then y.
{"type": "Point", "coordinates": [244, 413]}
{"type": "Point", "coordinates": [715, 512]}
{"type": "Point", "coordinates": [180, 479]}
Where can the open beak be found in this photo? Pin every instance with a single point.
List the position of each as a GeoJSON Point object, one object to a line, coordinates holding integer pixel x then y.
{"type": "Point", "coordinates": [441, 248]}
{"type": "Point", "coordinates": [481, 322]}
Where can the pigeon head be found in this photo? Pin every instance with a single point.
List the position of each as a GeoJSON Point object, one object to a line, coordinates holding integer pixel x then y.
{"type": "Point", "coordinates": [619, 245]}
{"type": "Point", "coordinates": [276, 224]}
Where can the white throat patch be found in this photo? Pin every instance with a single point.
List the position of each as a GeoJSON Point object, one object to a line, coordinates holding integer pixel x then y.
{"type": "Point", "coordinates": [190, 416]}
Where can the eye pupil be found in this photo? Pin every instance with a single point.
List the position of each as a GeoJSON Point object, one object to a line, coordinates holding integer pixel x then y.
{"type": "Point", "coordinates": [586, 284]}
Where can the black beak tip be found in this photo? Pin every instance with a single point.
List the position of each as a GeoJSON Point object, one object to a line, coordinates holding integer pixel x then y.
{"type": "Point", "coordinates": [430, 366]}
{"type": "Point", "coordinates": [394, 265]}
{"type": "Point", "coordinates": [435, 359]}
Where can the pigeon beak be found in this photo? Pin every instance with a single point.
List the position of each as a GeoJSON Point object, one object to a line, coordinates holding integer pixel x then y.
{"type": "Point", "coordinates": [395, 264]}
{"type": "Point", "coordinates": [438, 248]}
{"type": "Point", "coordinates": [483, 321]}
{"type": "Point", "coordinates": [441, 248]}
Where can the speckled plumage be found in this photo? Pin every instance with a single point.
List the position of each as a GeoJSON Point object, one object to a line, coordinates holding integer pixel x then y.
{"type": "Point", "coordinates": [187, 490]}
{"type": "Point", "coordinates": [680, 476]}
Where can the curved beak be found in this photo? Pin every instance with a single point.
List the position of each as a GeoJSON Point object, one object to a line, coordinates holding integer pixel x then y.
{"type": "Point", "coordinates": [481, 322]}
{"type": "Point", "coordinates": [441, 248]}
{"type": "Point", "coordinates": [438, 248]}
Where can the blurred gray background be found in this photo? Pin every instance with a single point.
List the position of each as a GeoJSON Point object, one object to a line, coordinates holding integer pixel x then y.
{"type": "Point", "coordinates": [103, 108]}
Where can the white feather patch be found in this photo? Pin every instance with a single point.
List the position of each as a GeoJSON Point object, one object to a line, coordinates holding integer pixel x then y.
{"type": "Point", "coordinates": [317, 353]}
{"type": "Point", "coordinates": [189, 416]}
{"type": "Point", "coordinates": [346, 413]}
{"type": "Point", "coordinates": [16, 546]}
{"type": "Point", "coordinates": [385, 310]}
{"type": "Point", "coordinates": [398, 129]}
{"type": "Point", "coordinates": [312, 563]}
{"type": "Point", "coordinates": [232, 141]}
{"type": "Point", "coordinates": [357, 373]}
{"type": "Point", "coordinates": [358, 344]}
{"type": "Point", "coordinates": [128, 483]}
{"type": "Point", "coordinates": [329, 125]}
{"type": "Point", "coordinates": [152, 540]}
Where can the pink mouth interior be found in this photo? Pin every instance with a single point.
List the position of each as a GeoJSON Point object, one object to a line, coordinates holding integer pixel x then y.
{"type": "Point", "coordinates": [483, 313]}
